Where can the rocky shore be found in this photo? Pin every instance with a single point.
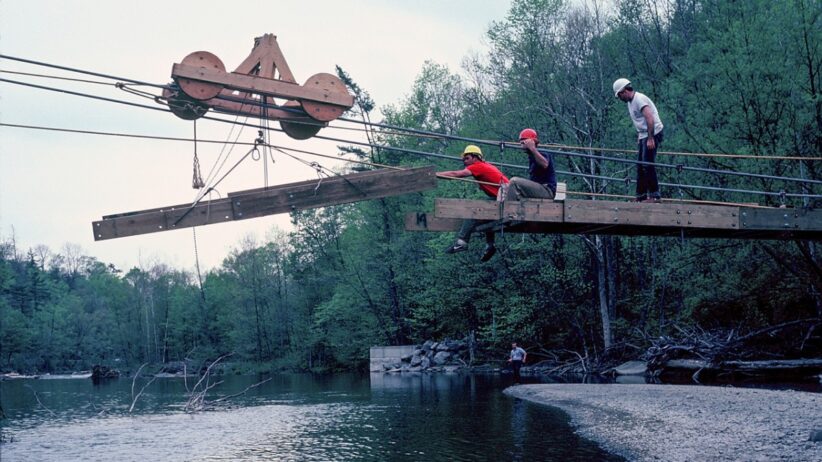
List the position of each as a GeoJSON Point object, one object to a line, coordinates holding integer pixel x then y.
{"type": "Point", "coordinates": [689, 423]}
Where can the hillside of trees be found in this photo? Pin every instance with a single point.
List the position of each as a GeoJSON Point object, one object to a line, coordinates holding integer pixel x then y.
{"type": "Point", "coordinates": [727, 77]}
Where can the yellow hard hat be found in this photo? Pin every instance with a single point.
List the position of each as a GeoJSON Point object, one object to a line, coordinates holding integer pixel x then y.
{"type": "Point", "coordinates": [472, 149]}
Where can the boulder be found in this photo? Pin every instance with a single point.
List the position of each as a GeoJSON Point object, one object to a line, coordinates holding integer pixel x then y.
{"type": "Point", "coordinates": [425, 363]}
{"type": "Point", "coordinates": [99, 372]}
{"type": "Point", "coordinates": [631, 368]}
{"type": "Point", "coordinates": [416, 360]}
{"type": "Point", "coordinates": [427, 345]}
{"type": "Point", "coordinates": [174, 368]}
{"type": "Point", "coordinates": [441, 357]}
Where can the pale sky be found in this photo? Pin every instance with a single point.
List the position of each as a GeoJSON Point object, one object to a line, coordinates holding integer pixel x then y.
{"type": "Point", "coordinates": [53, 185]}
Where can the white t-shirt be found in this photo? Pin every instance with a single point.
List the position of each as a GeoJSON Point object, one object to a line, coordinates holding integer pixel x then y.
{"type": "Point", "coordinates": [635, 111]}
{"type": "Point", "coordinates": [517, 354]}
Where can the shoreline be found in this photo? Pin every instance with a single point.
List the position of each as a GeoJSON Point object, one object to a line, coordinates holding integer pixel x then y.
{"type": "Point", "coordinates": [687, 423]}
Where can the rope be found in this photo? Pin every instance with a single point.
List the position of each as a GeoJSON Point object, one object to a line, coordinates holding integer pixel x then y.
{"type": "Point", "coordinates": [680, 153]}
{"type": "Point", "coordinates": [372, 124]}
{"type": "Point", "coordinates": [660, 165]}
{"type": "Point", "coordinates": [409, 151]}
{"type": "Point", "coordinates": [197, 264]}
{"type": "Point", "coordinates": [79, 71]}
{"type": "Point", "coordinates": [197, 178]}
{"type": "Point", "coordinates": [46, 76]}
{"type": "Point", "coordinates": [84, 95]}
{"type": "Point", "coordinates": [678, 167]}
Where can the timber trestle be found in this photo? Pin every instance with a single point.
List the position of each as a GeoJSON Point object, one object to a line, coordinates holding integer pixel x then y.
{"type": "Point", "coordinates": [675, 219]}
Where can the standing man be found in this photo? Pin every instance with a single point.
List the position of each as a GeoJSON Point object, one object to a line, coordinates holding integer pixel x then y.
{"type": "Point", "coordinates": [644, 115]}
{"type": "Point", "coordinates": [517, 358]}
{"type": "Point", "coordinates": [542, 182]}
{"type": "Point", "coordinates": [491, 179]}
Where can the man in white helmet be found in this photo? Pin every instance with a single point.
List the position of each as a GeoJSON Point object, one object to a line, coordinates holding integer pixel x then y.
{"type": "Point", "coordinates": [490, 179]}
{"type": "Point", "coordinates": [649, 129]}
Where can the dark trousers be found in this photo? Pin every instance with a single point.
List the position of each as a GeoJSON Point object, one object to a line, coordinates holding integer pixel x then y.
{"type": "Point", "coordinates": [515, 366]}
{"type": "Point", "coordinates": [646, 181]}
{"type": "Point", "coordinates": [468, 227]}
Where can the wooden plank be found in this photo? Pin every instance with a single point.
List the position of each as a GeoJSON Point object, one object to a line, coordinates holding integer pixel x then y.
{"type": "Point", "coordinates": [270, 189]}
{"type": "Point", "coordinates": [337, 190]}
{"type": "Point", "coordinates": [255, 203]}
{"type": "Point", "coordinates": [313, 182]}
{"type": "Point", "coordinates": [781, 219]}
{"type": "Point", "coordinates": [249, 83]}
{"type": "Point", "coordinates": [539, 210]}
{"type": "Point", "coordinates": [679, 215]}
{"type": "Point", "coordinates": [421, 221]}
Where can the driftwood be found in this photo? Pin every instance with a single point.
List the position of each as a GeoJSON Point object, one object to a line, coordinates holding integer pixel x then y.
{"type": "Point", "coordinates": [698, 351]}
{"type": "Point", "coordinates": [796, 366]}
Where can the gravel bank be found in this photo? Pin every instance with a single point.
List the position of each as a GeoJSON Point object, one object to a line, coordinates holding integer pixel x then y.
{"type": "Point", "coordinates": [688, 423]}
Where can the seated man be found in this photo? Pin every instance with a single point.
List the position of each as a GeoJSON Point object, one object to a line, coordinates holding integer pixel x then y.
{"type": "Point", "coordinates": [491, 179]}
{"type": "Point", "coordinates": [542, 182]}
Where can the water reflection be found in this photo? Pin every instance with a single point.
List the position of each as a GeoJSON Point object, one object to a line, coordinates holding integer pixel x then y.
{"type": "Point", "coordinates": [292, 417]}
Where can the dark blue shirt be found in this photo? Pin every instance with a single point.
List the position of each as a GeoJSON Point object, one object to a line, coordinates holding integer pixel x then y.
{"type": "Point", "coordinates": [546, 176]}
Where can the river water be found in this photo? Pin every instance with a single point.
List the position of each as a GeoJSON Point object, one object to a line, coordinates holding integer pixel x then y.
{"type": "Point", "coordinates": [293, 417]}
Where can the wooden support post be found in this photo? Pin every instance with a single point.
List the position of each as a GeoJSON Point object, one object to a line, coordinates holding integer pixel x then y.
{"type": "Point", "coordinates": [259, 202]}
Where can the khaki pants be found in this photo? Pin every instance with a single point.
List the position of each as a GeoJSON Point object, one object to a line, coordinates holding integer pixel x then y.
{"type": "Point", "coordinates": [520, 188]}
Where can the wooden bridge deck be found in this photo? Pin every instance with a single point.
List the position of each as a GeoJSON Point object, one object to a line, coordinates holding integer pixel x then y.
{"type": "Point", "coordinates": [623, 218]}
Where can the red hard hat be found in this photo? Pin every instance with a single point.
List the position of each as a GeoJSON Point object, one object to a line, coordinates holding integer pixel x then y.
{"type": "Point", "coordinates": [528, 133]}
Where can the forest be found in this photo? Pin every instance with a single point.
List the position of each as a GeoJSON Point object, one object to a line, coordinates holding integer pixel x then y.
{"type": "Point", "coordinates": [728, 77]}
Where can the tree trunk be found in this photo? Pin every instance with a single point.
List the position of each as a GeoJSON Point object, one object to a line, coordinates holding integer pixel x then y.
{"type": "Point", "coordinates": [602, 292]}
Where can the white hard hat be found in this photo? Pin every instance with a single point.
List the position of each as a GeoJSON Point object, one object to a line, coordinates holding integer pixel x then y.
{"type": "Point", "coordinates": [620, 84]}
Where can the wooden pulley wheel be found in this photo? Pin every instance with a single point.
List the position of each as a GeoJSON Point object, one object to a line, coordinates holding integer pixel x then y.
{"type": "Point", "coordinates": [195, 88]}
{"type": "Point", "coordinates": [183, 106]}
{"type": "Point", "coordinates": [299, 130]}
{"type": "Point", "coordinates": [329, 84]}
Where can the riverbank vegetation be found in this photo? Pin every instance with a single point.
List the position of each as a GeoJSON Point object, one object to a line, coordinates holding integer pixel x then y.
{"type": "Point", "coordinates": [727, 77]}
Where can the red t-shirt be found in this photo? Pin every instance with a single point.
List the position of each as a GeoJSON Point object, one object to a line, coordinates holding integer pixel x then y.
{"type": "Point", "coordinates": [483, 171]}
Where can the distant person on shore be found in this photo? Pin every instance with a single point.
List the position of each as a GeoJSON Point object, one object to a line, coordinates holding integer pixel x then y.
{"type": "Point", "coordinates": [643, 113]}
{"type": "Point", "coordinates": [542, 176]}
{"type": "Point", "coordinates": [517, 358]}
{"type": "Point", "coordinates": [491, 179]}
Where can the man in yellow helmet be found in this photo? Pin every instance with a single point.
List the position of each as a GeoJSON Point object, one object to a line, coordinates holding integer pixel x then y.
{"type": "Point", "coordinates": [491, 179]}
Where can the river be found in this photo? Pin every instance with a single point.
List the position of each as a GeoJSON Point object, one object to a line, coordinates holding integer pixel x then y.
{"type": "Point", "coordinates": [299, 417]}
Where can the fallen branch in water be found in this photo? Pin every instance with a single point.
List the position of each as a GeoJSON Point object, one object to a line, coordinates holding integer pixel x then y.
{"type": "Point", "coordinates": [133, 381]}
{"type": "Point", "coordinates": [225, 398]}
{"type": "Point", "coordinates": [40, 402]}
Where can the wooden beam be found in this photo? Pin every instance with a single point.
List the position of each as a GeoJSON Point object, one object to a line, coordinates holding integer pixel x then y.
{"type": "Point", "coordinates": [674, 219]}
{"type": "Point", "coordinates": [541, 210]}
{"type": "Point", "coordinates": [253, 203]}
{"type": "Point", "coordinates": [781, 219]}
{"type": "Point", "coordinates": [262, 85]}
{"type": "Point", "coordinates": [422, 221]}
{"type": "Point", "coordinates": [644, 214]}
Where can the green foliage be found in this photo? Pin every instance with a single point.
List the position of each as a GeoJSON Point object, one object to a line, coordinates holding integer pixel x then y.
{"type": "Point", "coordinates": [728, 77]}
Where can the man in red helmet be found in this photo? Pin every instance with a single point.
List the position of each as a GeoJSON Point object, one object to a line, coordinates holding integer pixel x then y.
{"type": "Point", "coordinates": [542, 182]}
{"type": "Point", "coordinates": [491, 179]}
